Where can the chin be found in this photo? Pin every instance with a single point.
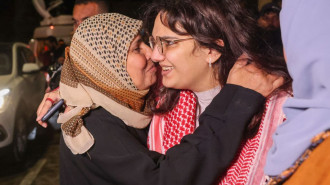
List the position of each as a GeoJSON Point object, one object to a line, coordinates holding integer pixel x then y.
{"type": "Point", "coordinates": [168, 84]}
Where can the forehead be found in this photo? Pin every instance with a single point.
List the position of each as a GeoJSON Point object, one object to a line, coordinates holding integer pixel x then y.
{"type": "Point", "coordinates": [162, 30]}
{"type": "Point", "coordinates": [82, 11]}
{"type": "Point", "coordinates": [137, 40]}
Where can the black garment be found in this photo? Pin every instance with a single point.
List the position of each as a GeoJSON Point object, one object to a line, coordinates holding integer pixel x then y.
{"type": "Point", "coordinates": [120, 155]}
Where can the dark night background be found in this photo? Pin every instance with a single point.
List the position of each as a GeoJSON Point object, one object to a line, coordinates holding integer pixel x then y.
{"type": "Point", "coordinates": [18, 18]}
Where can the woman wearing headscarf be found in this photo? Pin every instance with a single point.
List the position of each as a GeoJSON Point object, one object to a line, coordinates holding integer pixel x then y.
{"type": "Point", "coordinates": [103, 138]}
{"type": "Point", "coordinates": [301, 144]}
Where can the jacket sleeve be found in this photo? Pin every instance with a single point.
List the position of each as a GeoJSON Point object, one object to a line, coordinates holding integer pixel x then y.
{"type": "Point", "coordinates": [201, 157]}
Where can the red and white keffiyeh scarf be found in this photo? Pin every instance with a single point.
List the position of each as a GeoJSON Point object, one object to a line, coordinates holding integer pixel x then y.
{"type": "Point", "coordinates": [167, 130]}
{"type": "Point", "coordinates": [247, 168]}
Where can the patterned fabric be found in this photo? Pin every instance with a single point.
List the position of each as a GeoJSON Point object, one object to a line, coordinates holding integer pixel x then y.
{"type": "Point", "coordinates": [316, 141]}
{"type": "Point", "coordinates": [94, 74]}
{"type": "Point", "coordinates": [73, 126]}
{"type": "Point", "coordinates": [167, 130]}
{"type": "Point", "coordinates": [247, 168]}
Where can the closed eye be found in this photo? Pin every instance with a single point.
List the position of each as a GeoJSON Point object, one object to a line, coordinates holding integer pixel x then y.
{"type": "Point", "coordinates": [136, 46]}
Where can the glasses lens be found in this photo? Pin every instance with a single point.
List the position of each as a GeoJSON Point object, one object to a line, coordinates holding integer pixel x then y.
{"type": "Point", "coordinates": [157, 43]}
{"type": "Point", "coordinates": [152, 42]}
{"type": "Point", "coordinates": [160, 47]}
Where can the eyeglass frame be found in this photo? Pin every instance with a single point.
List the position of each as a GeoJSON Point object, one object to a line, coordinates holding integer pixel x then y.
{"type": "Point", "coordinates": [161, 40]}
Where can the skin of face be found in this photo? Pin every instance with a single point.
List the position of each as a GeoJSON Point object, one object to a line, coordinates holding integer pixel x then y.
{"type": "Point", "coordinates": [83, 11]}
{"type": "Point", "coordinates": [184, 65]}
{"type": "Point", "coordinates": [269, 21]}
{"type": "Point", "coordinates": [139, 65]}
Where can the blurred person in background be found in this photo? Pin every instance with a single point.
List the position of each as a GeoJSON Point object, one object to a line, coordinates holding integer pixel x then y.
{"type": "Point", "coordinates": [269, 17]}
{"type": "Point", "coordinates": [300, 152]}
{"type": "Point", "coordinates": [52, 52]}
{"type": "Point", "coordinates": [269, 23]}
{"type": "Point", "coordinates": [86, 8]}
{"type": "Point", "coordinates": [55, 50]}
{"type": "Point", "coordinates": [57, 57]}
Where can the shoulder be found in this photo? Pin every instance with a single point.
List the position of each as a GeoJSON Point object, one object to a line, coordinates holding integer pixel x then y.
{"type": "Point", "coordinates": [100, 116]}
{"type": "Point", "coordinates": [102, 123]}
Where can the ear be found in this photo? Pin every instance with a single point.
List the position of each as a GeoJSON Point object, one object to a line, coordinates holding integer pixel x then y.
{"type": "Point", "coordinates": [213, 55]}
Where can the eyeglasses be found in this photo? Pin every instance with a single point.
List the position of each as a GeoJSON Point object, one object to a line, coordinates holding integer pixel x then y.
{"type": "Point", "coordinates": [162, 43]}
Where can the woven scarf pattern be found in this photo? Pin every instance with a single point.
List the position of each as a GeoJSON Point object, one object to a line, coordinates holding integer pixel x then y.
{"type": "Point", "coordinates": [181, 120]}
{"type": "Point", "coordinates": [167, 130]}
{"type": "Point", "coordinates": [247, 168]}
{"type": "Point", "coordinates": [73, 126]}
{"type": "Point", "coordinates": [105, 39]}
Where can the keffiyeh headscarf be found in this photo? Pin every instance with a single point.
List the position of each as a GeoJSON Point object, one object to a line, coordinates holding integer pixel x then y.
{"type": "Point", "coordinates": [94, 74]}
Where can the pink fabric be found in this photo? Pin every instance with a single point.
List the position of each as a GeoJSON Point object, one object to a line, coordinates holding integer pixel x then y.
{"type": "Point", "coordinates": [155, 136]}
{"type": "Point", "coordinates": [167, 130]}
{"type": "Point", "coordinates": [247, 169]}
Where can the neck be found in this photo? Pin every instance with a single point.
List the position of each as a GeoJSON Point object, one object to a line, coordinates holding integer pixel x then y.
{"type": "Point", "coordinates": [206, 84]}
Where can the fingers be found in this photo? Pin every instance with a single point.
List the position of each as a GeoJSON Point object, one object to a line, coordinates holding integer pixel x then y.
{"type": "Point", "coordinates": [45, 105]}
{"type": "Point", "coordinates": [42, 109]}
{"type": "Point", "coordinates": [248, 75]}
{"type": "Point", "coordinates": [42, 103]}
{"type": "Point", "coordinates": [67, 109]}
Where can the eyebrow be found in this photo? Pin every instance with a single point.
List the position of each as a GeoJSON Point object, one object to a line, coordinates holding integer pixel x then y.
{"type": "Point", "coordinates": [169, 37]}
{"type": "Point", "coordinates": [137, 42]}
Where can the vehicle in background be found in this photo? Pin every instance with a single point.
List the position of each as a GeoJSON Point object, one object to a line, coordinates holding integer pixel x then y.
{"type": "Point", "coordinates": [22, 87]}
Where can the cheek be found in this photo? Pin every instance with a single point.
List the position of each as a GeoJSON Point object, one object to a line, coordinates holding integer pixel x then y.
{"type": "Point", "coordinates": [177, 59]}
{"type": "Point", "coordinates": [182, 62]}
{"type": "Point", "coordinates": [135, 68]}
{"type": "Point", "coordinates": [140, 62]}
{"type": "Point", "coordinates": [136, 64]}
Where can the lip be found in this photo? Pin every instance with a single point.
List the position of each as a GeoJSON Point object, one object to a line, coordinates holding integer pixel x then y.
{"type": "Point", "coordinates": [151, 68]}
{"type": "Point", "coordinates": [164, 73]}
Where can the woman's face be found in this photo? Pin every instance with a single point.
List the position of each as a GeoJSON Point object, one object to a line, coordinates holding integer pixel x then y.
{"type": "Point", "coordinates": [139, 65]}
{"type": "Point", "coordinates": [185, 65]}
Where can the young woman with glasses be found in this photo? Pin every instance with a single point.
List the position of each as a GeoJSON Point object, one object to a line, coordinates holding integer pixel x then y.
{"type": "Point", "coordinates": [196, 43]}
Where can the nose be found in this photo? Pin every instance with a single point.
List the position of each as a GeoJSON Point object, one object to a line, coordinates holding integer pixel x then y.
{"type": "Point", "coordinates": [156, 56]}
{"type": "Point", "coordinates": [147, 52]}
